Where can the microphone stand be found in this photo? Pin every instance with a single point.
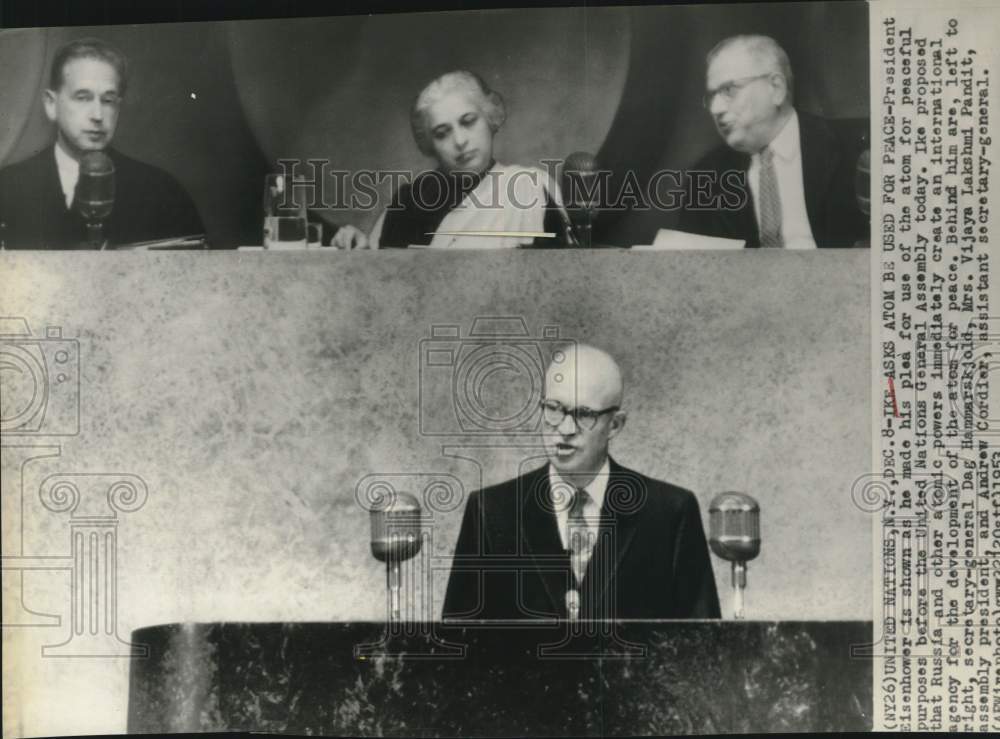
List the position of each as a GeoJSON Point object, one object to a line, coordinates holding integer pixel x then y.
{"type": "Point", "coordinates": [571, 239]}
{"type": "Point", "coordinates": [95, 235]}
{"type": "Point", "coordinates": [393, 580]}
{"type": "Point", "coordinates": [739, 587]}
{"type": "Point", "coordinates": [585, 229]}
{"type": "Point", "coordinates": [579, 169]}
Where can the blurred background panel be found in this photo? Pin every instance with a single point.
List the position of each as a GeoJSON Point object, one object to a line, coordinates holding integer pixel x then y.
{"type": "Point", "coordinates": [24, 51]}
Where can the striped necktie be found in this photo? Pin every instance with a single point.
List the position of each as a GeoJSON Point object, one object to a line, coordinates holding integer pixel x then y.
{"type": "Point", "coordinates": [770, 202]}
{"type": "Point", "coordinates": [581, 536]}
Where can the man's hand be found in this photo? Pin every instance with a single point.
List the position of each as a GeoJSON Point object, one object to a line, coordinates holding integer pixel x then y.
{"type": "Point", "coordinates": [349, 237]}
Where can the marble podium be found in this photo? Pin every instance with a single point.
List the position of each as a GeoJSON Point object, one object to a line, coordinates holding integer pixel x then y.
{"type": "Point", "coordinates": [513, 679]}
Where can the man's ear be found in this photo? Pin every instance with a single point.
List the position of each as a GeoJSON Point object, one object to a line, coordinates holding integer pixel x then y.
{"type": "Point", "coordinates": [617, 423]}
{"type": "Point", "coordinates": [781, 91]}
{"type": "Point", "coordinates": [49, 103]}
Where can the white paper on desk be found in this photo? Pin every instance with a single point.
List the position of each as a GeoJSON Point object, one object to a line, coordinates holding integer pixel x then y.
{"type": "Point", "coordinates": [308, 247]}
{"type": "Point", "coordinates": [170, 243]}
{"type": "Point", "coordinates": [668, 239]}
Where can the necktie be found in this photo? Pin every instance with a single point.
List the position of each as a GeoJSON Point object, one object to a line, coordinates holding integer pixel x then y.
{"type": "Point", "coordinates": [581, 537]}
{"type": "Point", "coordinates": [770, 202]}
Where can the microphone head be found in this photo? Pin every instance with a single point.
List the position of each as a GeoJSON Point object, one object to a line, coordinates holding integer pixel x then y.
{"type": "Point", "coordinates": [734, 527]}
{"type": "Point", "coordinates": [94, 197]}
{"type": "Point", "coordinates": [582, 162]}
{"type": "Point", "coordinates": [96, 162]}
{"type": "Point", "coordinates": [396, 528]}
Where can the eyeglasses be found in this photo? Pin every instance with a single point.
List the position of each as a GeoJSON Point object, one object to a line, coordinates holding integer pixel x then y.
{"type": "Point", "coordinates": [729, 89]}
{"type": "Point", "coordinates": [586, 418]}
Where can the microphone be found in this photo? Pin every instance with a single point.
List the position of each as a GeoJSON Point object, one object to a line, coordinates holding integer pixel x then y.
{"type": "Point", "coordinates": [94, 196]}
{"type": "Point", "coordinates": [395, 538]}
{"type": "Point", "coordinates": [571, 238]}
{"type": "Point", "coordinates": [580, 172]}
{"type": "Point", "coordinates": [734, 535]}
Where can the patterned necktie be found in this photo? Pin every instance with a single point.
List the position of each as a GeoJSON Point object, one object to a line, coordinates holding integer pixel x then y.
{"type": "Point", "coordinates": [581, 538]}
{"type": "Point", "coordinates": [770, 202]}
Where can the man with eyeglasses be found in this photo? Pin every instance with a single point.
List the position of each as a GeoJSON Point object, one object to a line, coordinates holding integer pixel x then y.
{"type": "Point", "coordinates": [582, 537]}
{"type": "Point", "coordinates": [795, 177]}
{"type": "Point", "coordinates": [83, 99]}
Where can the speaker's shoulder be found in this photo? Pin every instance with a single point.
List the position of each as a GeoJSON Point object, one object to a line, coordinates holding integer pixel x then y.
{"type": "Point", "coordinates": [656, 493]}
{"type": "Point", "coordinates": [525, 483]}
{"type": "Point", "coordinates": [26, 170]}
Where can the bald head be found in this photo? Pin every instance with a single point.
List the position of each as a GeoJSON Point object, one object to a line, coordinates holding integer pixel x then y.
{"type": "Point", "coordinates": [586, 376]}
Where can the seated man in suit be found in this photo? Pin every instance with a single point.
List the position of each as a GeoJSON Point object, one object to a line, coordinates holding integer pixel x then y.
{"type": "Point", "coordinates": [86, 87]}
{"type": "Point", "coordinates": [582, 536]}
{"type": "Point", "coordinates": [796, 188]}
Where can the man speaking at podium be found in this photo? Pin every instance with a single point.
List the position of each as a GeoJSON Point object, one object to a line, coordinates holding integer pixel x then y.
{"type": "Point", "coordinates": [38, 197]}
{"type": "Point", "coordinates": [582, 537]}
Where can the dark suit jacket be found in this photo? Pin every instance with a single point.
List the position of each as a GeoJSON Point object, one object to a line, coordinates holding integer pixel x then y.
{"type": "Point", "coordinates": [510, 563]}
{"type": "Point", "coordinates": [149, 204]}
{"type": "Point", "coordinates": [828, 174]}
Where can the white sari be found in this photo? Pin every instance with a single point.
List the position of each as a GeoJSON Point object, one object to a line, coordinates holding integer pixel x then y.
{"type": "Point", "coordinates": [505, 210]}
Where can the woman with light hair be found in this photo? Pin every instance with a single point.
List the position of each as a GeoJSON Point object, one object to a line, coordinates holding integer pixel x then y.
{"type": "Point", "coordinates": [470, 200]}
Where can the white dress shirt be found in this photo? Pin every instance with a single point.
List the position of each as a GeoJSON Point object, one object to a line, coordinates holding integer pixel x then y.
{"type": "Point", "coordinates": [69, 173]}
{"type": "Point", "coordinates": [795, 230]}
{"type": "Point", "coordinates": [562, 492]}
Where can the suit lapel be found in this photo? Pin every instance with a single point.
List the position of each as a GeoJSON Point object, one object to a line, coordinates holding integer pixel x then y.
{"type": "Point", "coordinates": [66, 227]}
{"type": "Point", "coordinates": [818, 164]}
{"type": "Point", "coordinates": [52, 186]}
{"type": "Point", "coordinates": [819, 161]}
{"type": "Point", "coordinates": [539, 533]}
{"type": "Point", "coordinates": [540, 540]}
{"type": "Point", "coordinates": [621, 514]}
